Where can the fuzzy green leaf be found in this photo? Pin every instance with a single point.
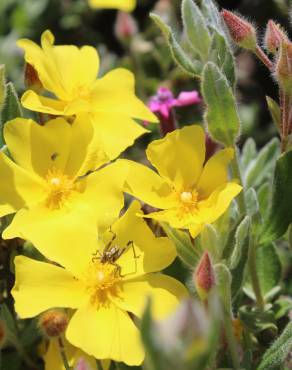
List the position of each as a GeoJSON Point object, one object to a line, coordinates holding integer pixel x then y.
{"type": "Point", "coordinates": [210, 240]}
{"type": "Point", "coordinates": [196, 29]}
{"type": "Point", "coordinates": [275, 112]}
{"type": "Point", "coordinates": [192, 67]}
{"type": "Point", "coordinates": [276, 355]}
{"type": "Point", "coordinates": [280, 214]}
{"type": "Point", "coordinates": [221, 115]}
{"type": "Point", "coordinates": [220, 54]}
{"type": "Point", "coordinates": [249, 152]}
{"type": "Point", "coordinates": [2, 86]}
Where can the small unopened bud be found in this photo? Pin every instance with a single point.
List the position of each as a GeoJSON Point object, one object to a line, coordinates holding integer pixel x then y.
{"type": "Point", "coordinates": [242, 32]}
{"type": "Point", "coordinates": [125, 26]}
{"type": "Point", "coordinates": [31, 78]}
{"type": "Point", "coordinates": [283, 70]}
{"type": "Point", "coordinates": [273, 37]}
{"type": "Point", "coordinates": [53, 323]}
{"type": "Point", "coordinates": [3, 333]}
{"type": "Point", "coordinates": [204, 277]}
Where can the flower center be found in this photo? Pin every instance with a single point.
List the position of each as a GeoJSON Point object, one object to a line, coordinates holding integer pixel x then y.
{"type": "Point", "coordinates": [189, 200]}
{"type": "Point", "coordinates": [102, 281]}
{"type": "Point", "coordinates": [59, 188]}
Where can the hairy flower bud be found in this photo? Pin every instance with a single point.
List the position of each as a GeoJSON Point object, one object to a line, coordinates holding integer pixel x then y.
{"type": "Point", "coordinates": [273, 37]}
{"type": "Point", "coordinates": [204, 277]}
{"type": "Point", "coordinates": [53, 323]}
{"type": "Point", "coordinates": [242, 32]}
{"type": "Point", "coordinates": [283, 70]}
{"type": "Point", "coordinates": [31, 78]}
{"type": "Point", "coordinates": [125, 26]}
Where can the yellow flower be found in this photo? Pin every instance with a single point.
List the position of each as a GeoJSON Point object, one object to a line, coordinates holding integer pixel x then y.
{"type": "Point", "coordinates": [189, 193]}
{"type": "Point", "coordinates": [106, 280]}
{"type": "Point", "coordinates": [46, 178]}
{"type": "Point", "coordinates": [126, 5]}
{"type": "Point", "coordinates": [70, 74]}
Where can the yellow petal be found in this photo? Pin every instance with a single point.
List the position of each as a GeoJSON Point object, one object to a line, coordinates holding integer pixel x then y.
{"type": "Point", "coordinates": [106, 333]}
{"type": "Point", "coordinates": [53, 359]}
{"type": "Point", "coordinates": [146, 253]}
{"type": "Point", "coordinates": [215, 172]}
{"type": "Point", "coordinates": [116, 132]}
{"type": "Point", "coordinates": [179, 156]}
{"type": "Point", "coordinates": [165, 292]}
{"type": "Point", "coordinates": [146, 185]}
{"type": "Point", "coordinates": [218, 202]}
{"type": "Point", "coordinates": [126, 5]}
{"type": "Point", "coordinates": [64, 236]}
{"type": "Point", "coordinates": [38, 148]}
{"type": "Point", "coordinates": [19, 188]}
{"type": "Point", "coordinates": [115, 92]}
{"type": "Point", "coordinates": [40, 286]}
{"type": "Point", "coordinates": [33, 101]}
{"type": "Point", "coordinates": [104, 193]}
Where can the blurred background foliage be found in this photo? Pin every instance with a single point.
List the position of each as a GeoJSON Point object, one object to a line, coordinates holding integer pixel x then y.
{"type": "Point", "coordinates": [72, 21]}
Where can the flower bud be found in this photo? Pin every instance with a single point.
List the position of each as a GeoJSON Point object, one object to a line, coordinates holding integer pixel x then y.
{"type": "Point", "coordinates": [242, 32]}
{"type": "Point", "coordinates": [273, 37]}
{"type": "Point", "coordinates": [125, 26]}
{"type": "Point", "coordinates": [31, 78]}
{"type": "Point", "coordinates": [204, 277]}
{"type": "Point", "coordinates": [283, 70]}
{"type": "Point", "coordinates": [53, 323]}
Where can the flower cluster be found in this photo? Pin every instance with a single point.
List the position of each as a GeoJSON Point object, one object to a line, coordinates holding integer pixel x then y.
{"type": "Point", "coordinates": [65, 187]}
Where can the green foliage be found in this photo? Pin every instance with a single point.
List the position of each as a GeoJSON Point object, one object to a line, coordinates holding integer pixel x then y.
{"type": "Point", "coordinates": [276, 355]}
{"type": "Point", "coordinates": [221, 115]}
{"type": "Point", "coordinates": [179, 55]}
{"type": "Point", "coordinates": [275, 112]}
{"type": "Point", "coordinates": [280, 214]}
{"type": "Point", "coordinates": [196, 29]}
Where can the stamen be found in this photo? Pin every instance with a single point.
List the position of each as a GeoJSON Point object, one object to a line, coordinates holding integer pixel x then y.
{"type": "Point", "coordinates": [59, 188]}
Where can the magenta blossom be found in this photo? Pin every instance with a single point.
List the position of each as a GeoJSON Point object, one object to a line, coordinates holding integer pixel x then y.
{"type": "Point", "coordinates": [163, 102]}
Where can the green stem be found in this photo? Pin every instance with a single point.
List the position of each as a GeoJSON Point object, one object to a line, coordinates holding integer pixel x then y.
{"type": "Point", "coordinates": [63, 353]}
{"type": "Point", "coordinates": [231, 341]}
{"type": "Point", "coordinates": [254, 275]}
{"type": "Point", "coordinates": [236, 174]}
{"type": "Point", "coordinates": [98, 365]}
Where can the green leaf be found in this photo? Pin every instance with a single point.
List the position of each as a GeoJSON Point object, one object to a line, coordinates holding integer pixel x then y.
{"type": "Point", "coordinates": [249, 152]}
{"type": "Point", "coordinates": [239, 256]}
{"type": "Point", "coordinates": [212, 14]}
{"type": "Point", "coordinates": [196, 29]}
{"type": "Point", "coordinates": [280, 214]}
{"type": "Point", "coordinates": [251, 202]}
{"type": "Point", "coordinates": [262, 167]}
{"type": "Point", "coordinates": [269, 267]}
{"type": "Point", "coordinates": [223, 281]}
{"type": "Point", "coordinates": [220, 54]}
{"type": "Point", "coordinates": [11, 109]}
{"type": "Point", "coordinates": [276, 355]}
{"type": "Point", "coordinates": [209, 241]}
{"type": "Point", "coordinates": [257, 321]}
{"type": "Point", "coordinates": [2, 86]}
{"type": "Point", "coordinates": [264, 197]}
{"type": "Point", "coordinates": [221, 115]}
{"type": "Point", "coordinates": [192, 67]}
{"type": "Point", "coordinates": [275, 112]}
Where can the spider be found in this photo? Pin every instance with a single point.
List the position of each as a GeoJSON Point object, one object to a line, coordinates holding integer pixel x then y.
{"type": "Point", "coordinates": [112, 253]}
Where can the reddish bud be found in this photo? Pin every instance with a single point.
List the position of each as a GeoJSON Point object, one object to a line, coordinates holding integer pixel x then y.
{"type": "Point", "coordinates": [283, 70]}
{"type": "Point", "coordinates": [273, 37]}
{"type": "Point", "coordinates": [242, 32]}
{"type": "Point", "coordinates": [204, 277]}
{"type": "Point", "coordinates": [53, 323]}
{"type": "Point", "coordinates": [125, 26]}
{"type": "Point", "coordinates": [31, 78]}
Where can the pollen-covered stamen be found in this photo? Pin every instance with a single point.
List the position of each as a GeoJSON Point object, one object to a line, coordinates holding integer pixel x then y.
{"type": "Point", "coordinates": [189, 199]}
{"type": "Point", "coordinates": [59, 187]}
{"type": "Point", "coordinates": [102, 281]}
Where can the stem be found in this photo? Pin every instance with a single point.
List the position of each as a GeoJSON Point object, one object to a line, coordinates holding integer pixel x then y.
{"type": "Point", "coordinates": [63, 353]}
{"type": "Point", "coordinates": [98, 365]}
{"type": "Point", "coordinates": [285, 109]}
{"type": "Point", "coordinates": [263, 57]}
{"type": "Point", "coordinates": [236, 174]}
{"type": "Point", "coordinates": [254, 275]}
{"type": "Point", "coordinates": [167, 124]}
{"type": "Point", "coordinates": [231, 340]}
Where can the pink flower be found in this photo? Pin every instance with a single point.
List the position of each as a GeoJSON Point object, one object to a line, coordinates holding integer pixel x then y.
{"type": "Point", "coordinates": [163, 102]}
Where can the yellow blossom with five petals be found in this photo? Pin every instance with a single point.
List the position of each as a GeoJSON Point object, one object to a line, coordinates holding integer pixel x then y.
{"type": "Point", "coordinates": [189, 192]}
{"type": "Point", "coordinates": [70, 74]}
{"type": "Point", "coordinates": [125, 5]}
{"type": "Point", "coordinates": [47, 176]}
{"type": "Point", "coordinates": [108, 295]}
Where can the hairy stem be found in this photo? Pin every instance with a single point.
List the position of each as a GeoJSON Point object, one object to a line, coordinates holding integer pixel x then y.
{"type": "Point", "coordinates": [63, 353]}
{"type": "Point", "coordinates": [231, 341]}
{"type": "Point", "coordinates": [263, 57]}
